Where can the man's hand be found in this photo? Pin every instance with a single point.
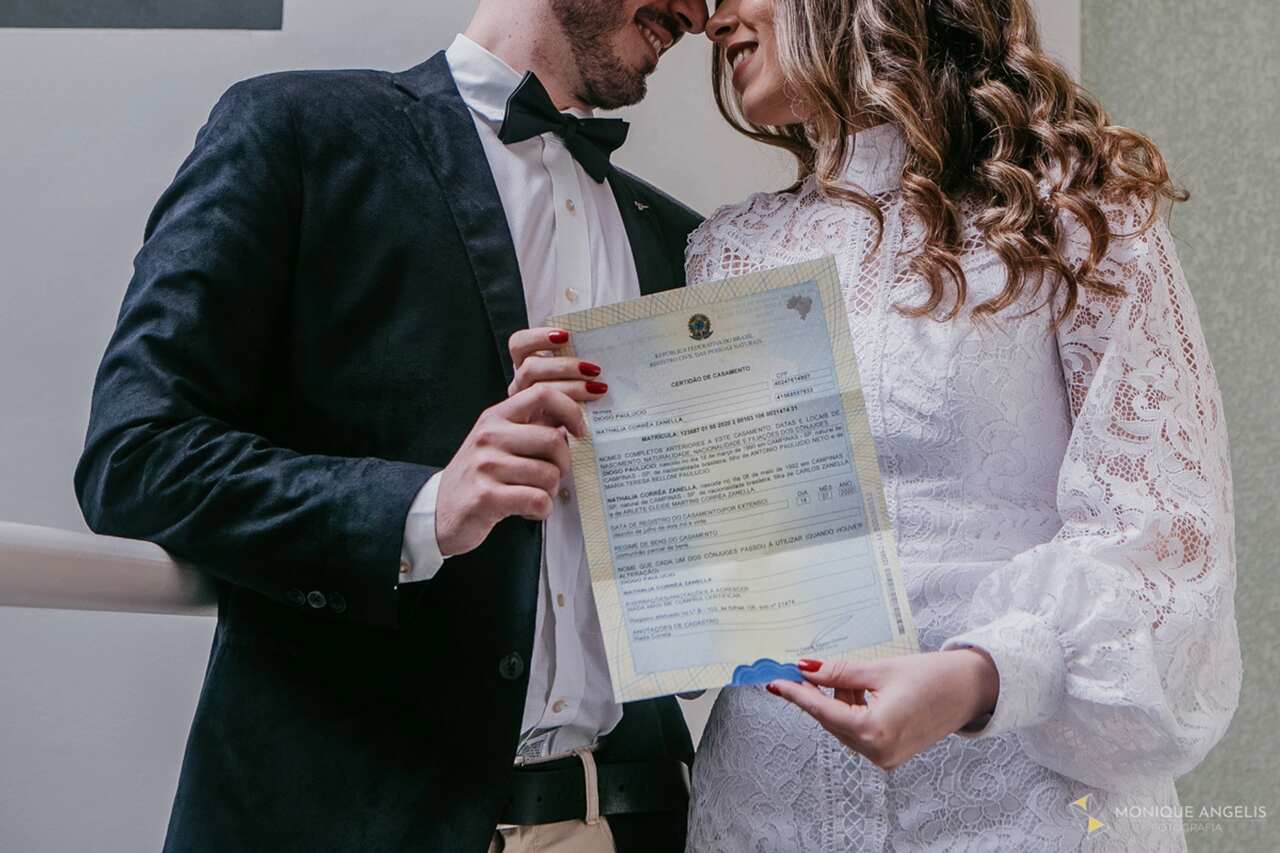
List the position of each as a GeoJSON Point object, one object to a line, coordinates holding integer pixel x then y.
{"type": "Point", "coordinates": [510, 464]}
{"type": "Point", "coordinates": [515, 456]}
{"type": "Point", "coordinates": [890, 710]}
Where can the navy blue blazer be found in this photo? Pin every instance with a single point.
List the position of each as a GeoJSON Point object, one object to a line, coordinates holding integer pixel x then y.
{"type": "Point", "coordinates": [319, 312]}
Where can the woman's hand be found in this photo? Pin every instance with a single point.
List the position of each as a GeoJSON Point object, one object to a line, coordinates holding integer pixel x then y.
{"type": "Point", "coordinates": [891, 710]}
{"type": "Point", "coordinates": [531, 356]}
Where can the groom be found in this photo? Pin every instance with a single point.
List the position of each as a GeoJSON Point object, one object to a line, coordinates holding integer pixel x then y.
{"type": "Point", "coordinates": [306, 396]}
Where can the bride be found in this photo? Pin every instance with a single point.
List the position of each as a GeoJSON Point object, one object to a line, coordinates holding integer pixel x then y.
{"type": "Point", "coordinates": [1049, 429]}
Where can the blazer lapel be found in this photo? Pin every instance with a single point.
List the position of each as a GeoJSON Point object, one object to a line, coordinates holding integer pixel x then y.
{"type": "Point", "coordinates": [653, 261]}
{"type": "Point", "coordinates": [448, 134]}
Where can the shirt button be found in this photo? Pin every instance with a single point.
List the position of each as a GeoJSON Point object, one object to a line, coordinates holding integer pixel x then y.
{"type": "Point", "coordinates": [560, 599]}
{"type": "Point", "coordinates": [511, 666]}
{"type": "Point", "coordinates": [337, 603]}
{"type": "Point", "coordinates": [569, 205]}
{"type": "Point", "coordinates": [317, 599]}
{"type": "Point", "coordinates": [571, 294]}
{"type": "Point", "coordinates": [559, 706]}
{"type": "Point", "coordinates": [405, 567]}
{"type": "Point", "coordinates": [564, 496]}
{"type": "Point", "coordinates": [295, 597]}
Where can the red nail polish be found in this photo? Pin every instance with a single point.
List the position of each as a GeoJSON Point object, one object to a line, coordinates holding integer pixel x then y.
{"type": "Point", "coordinates": [589, 369]}
{"type": "Point", "coordinates": [597, 388]}
{"type": "Point", "coordinates": [806, 665]}
{"type": "Point", "coordinates": [558, 337]}
{"type": "Point", "coordinates": [774, 690]}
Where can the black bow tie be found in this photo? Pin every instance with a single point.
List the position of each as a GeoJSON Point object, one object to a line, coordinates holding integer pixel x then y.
{"type": "Point", "coordinates": [530, 112]}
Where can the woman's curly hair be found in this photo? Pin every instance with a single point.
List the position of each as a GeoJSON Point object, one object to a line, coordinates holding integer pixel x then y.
{"type": "Point", "coordinates": [988, 118]}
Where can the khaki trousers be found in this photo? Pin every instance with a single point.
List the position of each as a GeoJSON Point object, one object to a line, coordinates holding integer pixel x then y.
{"type": "Point", "coordinates": [591, 835]}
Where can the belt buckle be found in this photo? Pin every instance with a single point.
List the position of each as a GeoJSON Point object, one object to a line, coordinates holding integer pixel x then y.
{"type": "Point", "coordinates": [528, 761]}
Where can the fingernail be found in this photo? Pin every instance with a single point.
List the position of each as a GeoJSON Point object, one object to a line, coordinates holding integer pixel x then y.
{"type": "Point", "coordinates": [589, 369]}
{"type": "Point", "coordinates": [597, 387]}
{"type": "Point", "coordinates": [772, 689]}
{"type": "Point", "coordinates": [806, 665]}
{"type": "Point", "coordinates": [558, 337]}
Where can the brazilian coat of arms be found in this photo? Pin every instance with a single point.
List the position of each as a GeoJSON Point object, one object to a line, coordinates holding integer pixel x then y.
{"type": "Point", "coordinates": [699, 327]}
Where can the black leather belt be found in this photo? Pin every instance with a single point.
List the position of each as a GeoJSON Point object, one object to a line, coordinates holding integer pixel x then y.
{"type": "Point", "coordinates": [556, 790]}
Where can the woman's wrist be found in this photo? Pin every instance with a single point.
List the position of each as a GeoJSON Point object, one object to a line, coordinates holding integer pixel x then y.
{"type": "Point", "coordinates": [984, 681]}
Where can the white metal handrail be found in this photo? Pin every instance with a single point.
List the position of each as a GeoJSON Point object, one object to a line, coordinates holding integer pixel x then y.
{"type": "Point", "coordinates": [44, 567]}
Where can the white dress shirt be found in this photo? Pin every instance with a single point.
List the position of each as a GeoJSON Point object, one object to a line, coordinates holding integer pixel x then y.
{"type": "Point", "coordinates": [573, 253]}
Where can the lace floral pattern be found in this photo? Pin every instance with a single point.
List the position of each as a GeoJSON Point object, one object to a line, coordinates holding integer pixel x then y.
{"type": "Point", "coordinates": [1062, 500]}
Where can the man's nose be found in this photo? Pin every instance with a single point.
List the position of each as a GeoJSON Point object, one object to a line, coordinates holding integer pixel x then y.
{"type": "Point", "coordinates": [692, 14]}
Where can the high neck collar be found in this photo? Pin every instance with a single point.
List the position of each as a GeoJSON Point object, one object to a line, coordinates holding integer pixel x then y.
{"type": "Point", "coordinates": [876, 159]}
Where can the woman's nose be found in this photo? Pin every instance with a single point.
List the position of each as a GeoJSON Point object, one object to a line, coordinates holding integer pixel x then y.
{"type": "Point", "coordinates": [723, 23]}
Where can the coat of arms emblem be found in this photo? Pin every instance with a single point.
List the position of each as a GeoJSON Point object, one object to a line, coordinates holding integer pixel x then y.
{"type": "Point", "coordinates": [699, 327]}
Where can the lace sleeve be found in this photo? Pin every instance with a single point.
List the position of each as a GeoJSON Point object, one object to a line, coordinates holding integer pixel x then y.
{"type": "Point", "coordinates": [714, 252]}
{"type": "Point", "coordinates": [701, 262]}
{"type": "Point", "coordinates": [1116, 642]}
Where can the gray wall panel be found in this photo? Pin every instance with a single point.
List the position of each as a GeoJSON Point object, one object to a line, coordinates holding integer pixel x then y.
{"type": "Point", "coordinates": [144, 14]}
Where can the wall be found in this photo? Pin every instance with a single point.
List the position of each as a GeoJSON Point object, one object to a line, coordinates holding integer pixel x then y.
{"type": "Point", "coordinates": [94, 708]}
{"type": "Point", "coordinates": [1203, 79]}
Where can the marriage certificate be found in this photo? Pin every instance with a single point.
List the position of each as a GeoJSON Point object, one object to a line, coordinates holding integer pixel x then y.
{"type": "Point", "coordinates": [730, 496]}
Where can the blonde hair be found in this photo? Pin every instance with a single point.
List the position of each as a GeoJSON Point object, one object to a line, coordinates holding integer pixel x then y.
{"type": "Point", "coordinates": [987, 116]}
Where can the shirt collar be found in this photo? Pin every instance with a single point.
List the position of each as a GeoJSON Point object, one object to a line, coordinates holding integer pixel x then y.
{"type": "Point", "coordinates": [485, 82]}
{"type": "Point", "coordinates": [877, 159]}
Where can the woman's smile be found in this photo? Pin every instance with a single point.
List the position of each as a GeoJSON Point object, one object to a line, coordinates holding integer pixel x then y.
{"type": "Point", "coordinates": [739, 57]}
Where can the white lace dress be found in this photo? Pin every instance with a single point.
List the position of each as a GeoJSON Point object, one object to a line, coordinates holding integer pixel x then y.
{"type": "Point", "coordinates": [1062, 500]}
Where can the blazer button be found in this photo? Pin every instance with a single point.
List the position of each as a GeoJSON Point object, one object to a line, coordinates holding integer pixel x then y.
{"type": "Point", "coordinates": [316, 599]}
{"type": "Point", "coordinates": [511, 666]}
{"type": "Point", "coordinates": [295, 597]}
{"type": "Point", "coordinates": [337, 603]}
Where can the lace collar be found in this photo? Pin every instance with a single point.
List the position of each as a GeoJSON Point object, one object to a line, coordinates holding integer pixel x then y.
{"type": "Point", "coordinates": [876, 161]}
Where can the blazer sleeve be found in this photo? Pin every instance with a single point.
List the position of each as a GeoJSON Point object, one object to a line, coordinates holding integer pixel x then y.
{"type": "Point", "coordinates": [171, 455]}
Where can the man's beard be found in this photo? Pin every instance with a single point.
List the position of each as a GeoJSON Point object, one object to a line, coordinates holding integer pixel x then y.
{"type": "Point", "coordinates": [591, 26]}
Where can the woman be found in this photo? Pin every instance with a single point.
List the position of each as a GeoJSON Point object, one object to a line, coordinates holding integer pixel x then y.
{"type": "Point", "coordinates": [1050, 433]}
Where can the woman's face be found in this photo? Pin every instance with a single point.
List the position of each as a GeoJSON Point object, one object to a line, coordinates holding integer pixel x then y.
{"type": "Point", "coordinates": [744, 31]}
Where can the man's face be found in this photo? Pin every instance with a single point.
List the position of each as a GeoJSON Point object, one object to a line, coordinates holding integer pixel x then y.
{"type": "Point", "coordinates": [616, 44]}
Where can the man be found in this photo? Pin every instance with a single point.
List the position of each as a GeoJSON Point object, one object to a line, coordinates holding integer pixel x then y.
{"type": "Point", "coordinates": [307, 396]}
